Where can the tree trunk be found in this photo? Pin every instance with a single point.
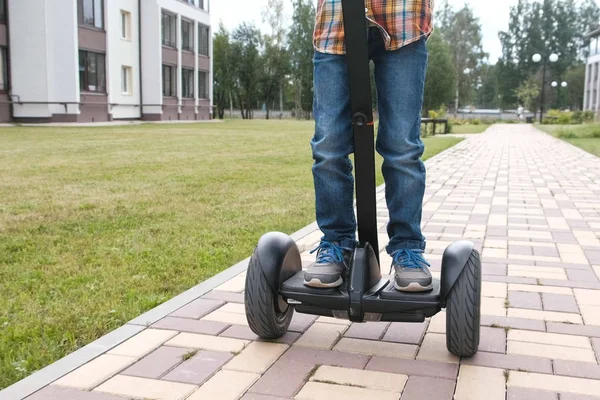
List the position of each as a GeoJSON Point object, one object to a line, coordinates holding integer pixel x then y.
{"type": "Point", "coordinates": [281, 98]}
{"type": "Point", "coordinates": [230, 105]}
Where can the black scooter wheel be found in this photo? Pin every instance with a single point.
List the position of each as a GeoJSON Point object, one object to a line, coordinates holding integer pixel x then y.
{"type": "Point", "coordinates": [268, 314]}
{"type": "Point", "coordinates": [463, 310]}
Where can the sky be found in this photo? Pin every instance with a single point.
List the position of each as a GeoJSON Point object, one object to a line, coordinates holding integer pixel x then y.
{"type": "Point", "coordinates": [493, 16]}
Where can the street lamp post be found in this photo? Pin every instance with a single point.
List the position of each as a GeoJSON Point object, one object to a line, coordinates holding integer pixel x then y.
{"type": "Point", "coordinates": [536, 59]}
{"type": "Point", "coordinates": [563, 84]}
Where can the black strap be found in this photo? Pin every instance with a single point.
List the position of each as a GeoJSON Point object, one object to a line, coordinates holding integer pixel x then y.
{"type": "Point", "coordinates": [357, 58]}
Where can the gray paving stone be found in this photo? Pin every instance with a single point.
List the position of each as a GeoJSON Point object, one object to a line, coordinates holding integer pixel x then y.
{"type": "Point", "coordinates": [515, 393]}
{"type": "Point", "coordinates": [199, 368]}
{"type": "Point", "coordinates": [157, 363]}
{"type": "Point", "coordinates": [492, 340]}
{"type": "Point", "coordinates": [197, 308]}
{"type": "Point", "coordinates": [413, 367]}
{"type": "Point", "coordinates": [245, 333]}
{"type": "Point", "coordinates": [369, 330]}
{"type": "Point", "coordinates": [510, 279]}
{"type": "Point", "coordinates": [573, 329]}
{"type": "Point", "coordinates": [301, 322]}
{"type": "Point", "coordinates": [191, 325]}
{"type": "Point", "coordinates": [63, 393]}
{"type": "Point", "coordinates": [255, 396]}
{"type": "Point", "coordinates": [509, 361]}
{"type": "Point", "coordinates": [573, 396]}
{"type": "Point", "coordinates": [581, 275]}
{"type": "Point", "coordinates": [426, 388]}
{"type": "Point", "coordinates": [571, 284]}
{"type": "Point", "coordinates": [559, 302]}
{"type": "Point", "coordinates": [230, 297]}
{"type": "Point", "coordinates": [525, 300]}
{"type": "Point", "coordinates": [510, 322]}
{"type": "Point", "coordinates": [577, 369]}
{"type": "Point", "coordinates": [401, 332]}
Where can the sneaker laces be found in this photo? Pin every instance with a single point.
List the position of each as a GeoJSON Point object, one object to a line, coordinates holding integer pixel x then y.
{"type": "Point", "coordinates": [330, 254]}
{"type": "Point", "coordinates": [409, 258]}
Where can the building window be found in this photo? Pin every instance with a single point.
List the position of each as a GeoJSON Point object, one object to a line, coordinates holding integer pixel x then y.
{"type": "Point", "coordinates": [126, 80]}
{"type": "Point", "coordinates": [201, 4]}
{"type": "Point", "coordinates": [202, 85]}
{"type": "Point", "coordinates": [187, 35]}
{"type": "Point", "coordinates": [3, 70]}
{"type": "Point", "coordinates": [91, 13]}
{"type": "Point", "coordinates": [187, 83]}
{"type": "Point", "coordinates": [2, 10]}
{"type": "Point", "coordinates": [203, 39]}
{"type": "Point", "coordinates": [169, 80]}
{"type": "Point", "coordinates": [125, 25]}
{"type": "Point", "coordinates": [92, 72]}
{"type": "Point", "coordinates": [169, 30]}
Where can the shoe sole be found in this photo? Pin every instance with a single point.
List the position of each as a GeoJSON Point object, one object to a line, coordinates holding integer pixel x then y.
{"type": "Point", "coordinates": [413, 287]}
{"type": "Point", "coordinates": [318, 284]}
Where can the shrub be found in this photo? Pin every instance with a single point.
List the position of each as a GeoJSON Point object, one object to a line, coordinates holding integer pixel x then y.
{"type": "Point", "coordinates": [588, 116]}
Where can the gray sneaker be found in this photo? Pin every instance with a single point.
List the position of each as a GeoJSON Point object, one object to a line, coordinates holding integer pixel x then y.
{"type": "Point", "coordinates": [411, 271]}
{"type": "Point", "coordinates": [330, 267]}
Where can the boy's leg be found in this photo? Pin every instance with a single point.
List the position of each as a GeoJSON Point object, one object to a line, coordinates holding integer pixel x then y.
{"type": "Point", "coordinates": [332, 171]}
{"type": "Point", "coordinates": [400, 80]}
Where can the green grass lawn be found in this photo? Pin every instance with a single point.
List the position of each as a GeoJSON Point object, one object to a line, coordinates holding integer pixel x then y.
{"type": "Point", "coordinates": [98, 225]}
{"type": "Point", "coordinates": [586, 137]}
{"type": "Point", "coordinates": [462, 129]}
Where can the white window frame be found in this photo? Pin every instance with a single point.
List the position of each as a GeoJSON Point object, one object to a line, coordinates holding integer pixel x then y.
{"type": "Point", "coordinates": [126, 24]}
{"type": "Point", "coordinates": [126, 80]}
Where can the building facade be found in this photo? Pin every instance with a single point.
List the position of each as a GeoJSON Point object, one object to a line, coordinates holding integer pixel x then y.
{"type": "Point", "coordinates": [105, 60]}
{"type": "Point", "coordinates": [591, 93]}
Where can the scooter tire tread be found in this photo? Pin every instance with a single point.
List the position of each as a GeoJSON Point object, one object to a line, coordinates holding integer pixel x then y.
{"type": "Point", "coordinates": [463, 310]}
{"type": "Point", "coordinates": [259, 300]}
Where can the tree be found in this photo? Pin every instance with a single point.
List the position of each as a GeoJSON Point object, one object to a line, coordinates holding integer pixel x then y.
{"type": "Point", "coordinates": [275, 66]}
{"type": "Point", "coordinates": [223, 73]}
{"type": "Point", "coordinates": [462, 32]}
{"type": "Point", "coordinates": [273, 15]}
{"type": "Point", "coordinates": [301, 54]}
{"type": "Point", "coordinates": [246, 63]}
{"type": "Point", "coordinates": [441, 75]}
{"type": "Point", "coordinates": [527, 93]}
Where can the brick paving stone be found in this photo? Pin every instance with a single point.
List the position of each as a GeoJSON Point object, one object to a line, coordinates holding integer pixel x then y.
{"type": "Point", "coordinates": [255, 396]}
{"type": "Point", "coordinates": [319, 390]}
{"type": "Point", "coordinates": [131, 386]}
{"type": "Point", "coordinates": [245, 333]}
{"type": "Point", "coordinates": [63, 393]}
{"type": "Point", "coordinates": [301, 322]}
{"type": "Point", "coordinates": [475, 382]}
{"type": "Point", "coordinates": [386, 381]}
{"type": "Point", "coordinates": [510, 361]}
{"type": "Point", "coordinates": [413, 367]}
{"type": "Point", "coordinates": [551, 351]}
{"type": "Point", "coordinates": [321, 335]}
{"type": "Point", "coordinates": [257, 357]}
{"type": "Point", "coordinates": [95, 372]}
{"type": "Point", "coordinates": [206, 342]}
{"type": "Point", "coordinates": [143, 343]}
{"type": "Point", "coordinates": [590, 314]}
{"type": "Point", "coordinates": [515, 393]}
{"type": "Point", "coordinates": [515, 323]}
{"type": "Point", "coordinates": [545, 315]}
{"type": "Point", "coordinates": [596, 347]}
{"type": "Point", "coordinates": [157, 363]}
{"type": "Point", "coordinates": [371, 347]}
{"type": "Point", "coordinates": [555, 383]}
{"type": "Point", "coordinates": [539, 289]}
{"type": "Point", "coordinates": [577, 369]}
{"type": "Point", "coordinates": [571, 284]}
{"type": "Point", "coordinates": [571, 329]}
{"type": "Point", "coordinates": [587, 297]}
{"type": "Point", "coordinates": [230, 297]}
{"type": "Point", "coordinates": [571, 396]}
{"type": "Point", "coordinates": [581, 275]}
{"type": "Point", "coordinates": [400, 332]}
{"type": "Point", "coordinates": [434, 348]}
{"type": "Point", "coordinates": [510, 279]}
{"type": "Point", "coordinates": [425, 388]}
{"type": "Point", "coordinates": [493, 269]}
{"type": "Point", "coordinates": [191, 325]}
{"type": "Point", "coordinates": [492, 340]}
{"type": "Point", "coordinates": [198, 308]}
{"type": "Point", "coordinates": [525, 300]}
{"type": "Point", "coordinates": [199, 367]}
{"type": "Point", "coordinates": [559, 302]}
{"type": "Point", "coordinates": [225, 385]}
{"type": "Point", "coordinates": [295, 365]}
{"type": "Point", "coordinates": [369, 330]}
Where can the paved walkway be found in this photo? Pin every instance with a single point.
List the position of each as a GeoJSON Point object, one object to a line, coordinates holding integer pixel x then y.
{"type": "Point", "coordinates": [532, 205]}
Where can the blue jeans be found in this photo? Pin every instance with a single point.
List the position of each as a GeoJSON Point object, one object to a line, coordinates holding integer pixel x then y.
{"type": "Point", "coordinates": [400, 80]}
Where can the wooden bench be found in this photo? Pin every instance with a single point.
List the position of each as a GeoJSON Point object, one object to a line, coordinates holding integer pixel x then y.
{"type": "Point", "coordinates": [435, 122]}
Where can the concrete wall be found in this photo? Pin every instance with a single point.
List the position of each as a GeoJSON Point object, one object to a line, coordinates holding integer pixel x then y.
{"type": "Point", "coordinates": [123, 52]}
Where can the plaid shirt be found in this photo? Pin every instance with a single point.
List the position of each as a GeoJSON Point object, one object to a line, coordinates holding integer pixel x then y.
{"type": "Point", "coordinates": [401, 22]}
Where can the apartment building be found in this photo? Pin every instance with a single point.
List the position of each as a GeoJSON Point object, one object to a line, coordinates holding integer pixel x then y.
{"type": "Point", "coordinates": [591, 92]}
{"type": "Point", "coordinates": [105, 60]}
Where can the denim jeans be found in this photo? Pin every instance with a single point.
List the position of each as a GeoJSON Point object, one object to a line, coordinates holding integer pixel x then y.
{"type": "Point", "coordinates": [400, 80]}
